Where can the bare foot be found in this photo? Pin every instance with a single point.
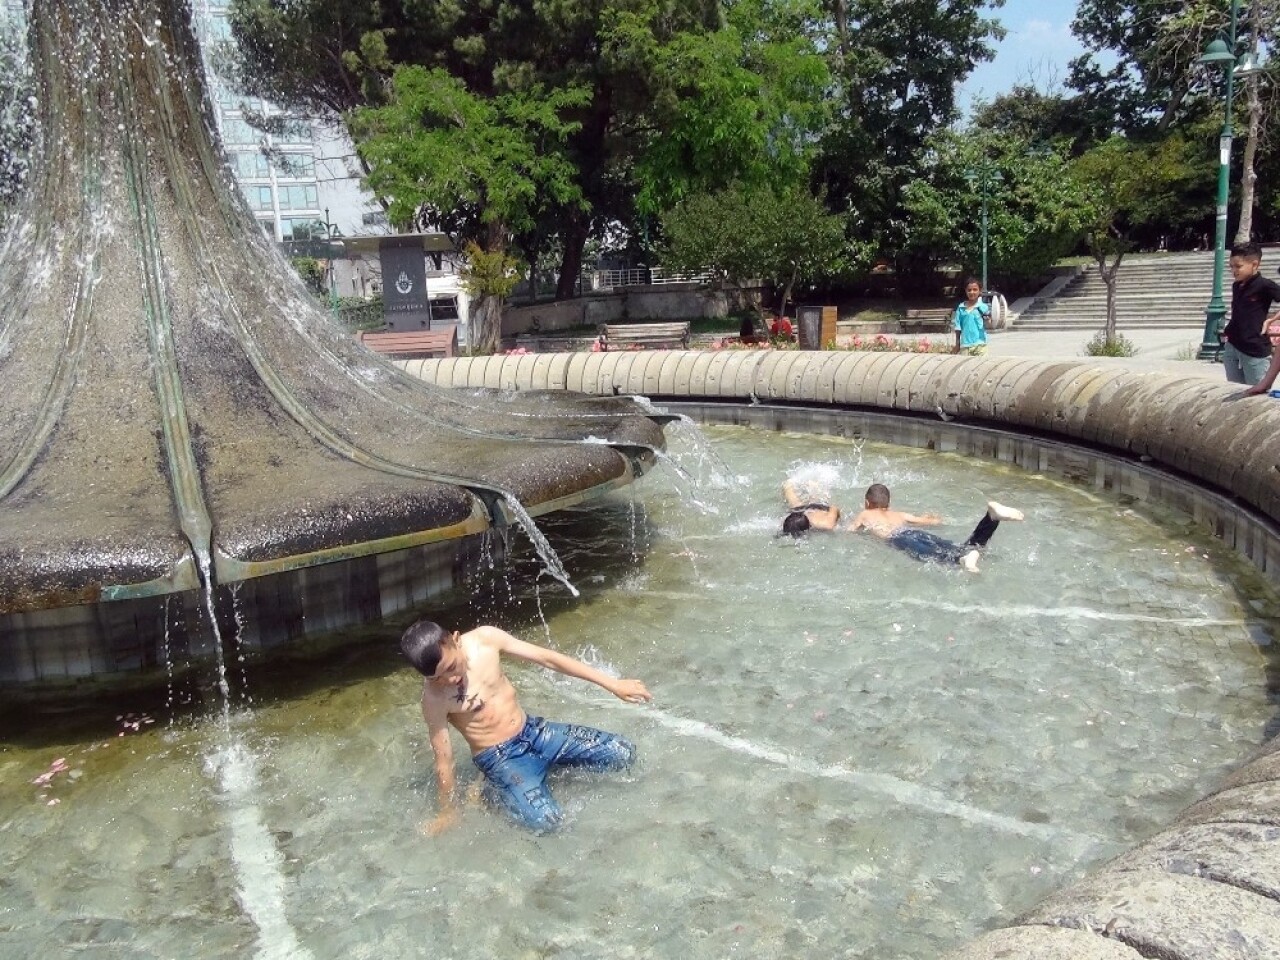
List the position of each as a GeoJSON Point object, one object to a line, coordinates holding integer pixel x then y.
{"type": "Point", "coordinates": [998, 511]}
{"type": "Point", "coordinates": [970, 561]}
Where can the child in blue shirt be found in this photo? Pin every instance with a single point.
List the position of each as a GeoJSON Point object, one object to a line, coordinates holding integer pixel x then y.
{"type": "Point", "coordinates": [970, 321]}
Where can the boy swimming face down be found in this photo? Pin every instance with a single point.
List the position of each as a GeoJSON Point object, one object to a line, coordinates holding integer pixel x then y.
{"type": "Point", "coordinates": [898, 529]}
{"type": "Point", "coordinates": [466, 688]}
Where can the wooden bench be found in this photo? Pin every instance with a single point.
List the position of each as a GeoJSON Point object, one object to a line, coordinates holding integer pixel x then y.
{"type": "Point", "coordinates": [413, 344]}
{"type": "Point", "coordinates": [623, 335]}
{"type": "Point", "coordinates": [930, 320]}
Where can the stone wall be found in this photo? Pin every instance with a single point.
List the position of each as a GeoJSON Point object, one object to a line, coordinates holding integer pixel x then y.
{"type": "Point", "coordinates": [1209, 885]}
{"type": "Point", "coordinates": [672, 301]}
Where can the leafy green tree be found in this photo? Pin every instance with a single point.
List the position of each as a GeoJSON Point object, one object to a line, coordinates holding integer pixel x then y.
{"type": "Point", "coordinates": [480, 167]}
{"type": "Point", "coordinates": [1129, 187]}
{"type": "Point", "coordinates": [678, 92]}
{"type": "Point", "coordinates": [313, 273]}
{"type": "Point", "coordinates": [896, 66]}
{"type": "Point", "coordinates": [1033, 207]}
{"type": "Point", "coordinates": [784, 237]}
{"type": "Point", "coordinates": [1029, 116]}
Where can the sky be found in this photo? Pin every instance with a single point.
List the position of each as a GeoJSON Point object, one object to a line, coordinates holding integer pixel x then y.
{"type": "Point", "coordinates": [1036, 49]}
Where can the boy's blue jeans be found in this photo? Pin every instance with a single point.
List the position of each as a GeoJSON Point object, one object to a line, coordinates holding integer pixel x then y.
{"type": "Point", "coordinates": [517, 769]}
{"type": "Point", "coordinates": [930, 547]}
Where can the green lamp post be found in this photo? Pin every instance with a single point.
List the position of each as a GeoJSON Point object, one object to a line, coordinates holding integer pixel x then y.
{"type": "Point", "coordinates": [983, 176]}
{"type": "Point", "coordinates": [1220, 53]}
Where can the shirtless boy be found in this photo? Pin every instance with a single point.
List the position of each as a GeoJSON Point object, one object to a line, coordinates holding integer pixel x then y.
{"type": "Point", "coordinates": [466, 687]}
{"type": "Point", "coordinates": [897, 528]}
{"type": "Point", "coordinates": [808, 510]}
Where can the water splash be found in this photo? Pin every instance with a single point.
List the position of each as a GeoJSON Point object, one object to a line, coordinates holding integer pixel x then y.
{"type": "Point", "coordinates": [702, 453]}
{"type": "Point", "coordinates": [550, 562]}
{"type": "Point", "coordinates": [257, 859]}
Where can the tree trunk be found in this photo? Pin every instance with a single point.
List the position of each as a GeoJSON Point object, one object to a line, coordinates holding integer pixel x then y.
{"type": "Point", "coordinates": [1249, 180]}
{"type": "Point", "coordinates": [486, 324]}
{"type": "Point", "coordinates": [575, 238]}
{"type": "Point", "coordinates": [1108, 275]}
{"type": "Point", "coordinates": [786, 291]}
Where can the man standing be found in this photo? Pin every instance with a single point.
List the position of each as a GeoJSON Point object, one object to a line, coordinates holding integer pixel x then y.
{"type": "Point", "coordinates": [1247, 353]}
{"type": "Point", "coordinates": [466, 688]}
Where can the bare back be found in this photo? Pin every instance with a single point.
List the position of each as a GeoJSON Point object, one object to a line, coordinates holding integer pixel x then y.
{"type": "Point", "coordinates": [884, 522]}
{"type": "Point", "coordinates": [483, 708]}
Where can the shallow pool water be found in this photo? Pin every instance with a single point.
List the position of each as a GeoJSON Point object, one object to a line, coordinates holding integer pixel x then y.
{"type": "Point", "coordinates": [850, 754]}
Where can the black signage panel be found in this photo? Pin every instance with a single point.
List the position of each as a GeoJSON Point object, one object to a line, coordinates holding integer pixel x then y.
{"type": "Point", "coordinates": [404, 284]}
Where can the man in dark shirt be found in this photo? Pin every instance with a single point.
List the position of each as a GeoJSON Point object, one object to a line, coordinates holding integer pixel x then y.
{"type": "Point", "coordinates": [1247, 354]}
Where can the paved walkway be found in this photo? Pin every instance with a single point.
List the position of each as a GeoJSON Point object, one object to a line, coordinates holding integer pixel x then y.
{"type": "Point", "coordinates": [1158, 350]}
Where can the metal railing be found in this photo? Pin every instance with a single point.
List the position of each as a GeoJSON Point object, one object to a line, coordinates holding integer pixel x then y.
{"type": "Point", "coordinates": [638, 277]}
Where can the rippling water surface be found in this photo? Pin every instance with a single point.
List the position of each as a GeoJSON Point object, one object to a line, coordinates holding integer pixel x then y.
{"type": "Point", "coordinates": [850, 754]}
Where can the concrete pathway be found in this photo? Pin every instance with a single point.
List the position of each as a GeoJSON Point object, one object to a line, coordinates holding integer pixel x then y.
{"type": "Point", "coordinates": [1158, 350]}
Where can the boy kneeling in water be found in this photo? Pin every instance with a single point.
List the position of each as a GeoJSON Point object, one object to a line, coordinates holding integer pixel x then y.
{"type": "Point", "coordinates": [896, 528]}
{"type": "Point", "coordinates": [466, 688]}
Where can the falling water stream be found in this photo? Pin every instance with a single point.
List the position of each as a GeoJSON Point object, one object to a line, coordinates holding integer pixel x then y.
{"type": "Point", "coordinates": [849, 754]}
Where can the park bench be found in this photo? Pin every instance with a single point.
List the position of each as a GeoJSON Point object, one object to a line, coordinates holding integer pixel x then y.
{"type": "Point", "coordinates": [413, 344]}
{"type": "Point", "coordinates": [930, 320]}
{"type": "Point", "coordinates": [623, 335]}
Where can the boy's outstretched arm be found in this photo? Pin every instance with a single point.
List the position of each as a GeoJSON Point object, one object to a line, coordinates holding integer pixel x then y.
{"type": "Point", "coordinates": [922, 519]}
{"type": "Point", "coordinates": [632, 691]}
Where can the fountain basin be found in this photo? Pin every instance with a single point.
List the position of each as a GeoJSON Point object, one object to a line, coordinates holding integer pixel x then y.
{"type": "Point", "coordinates": [1192, 890]}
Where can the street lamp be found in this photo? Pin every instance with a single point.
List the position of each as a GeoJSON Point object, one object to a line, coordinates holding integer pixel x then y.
{"type": "Point", "coordinates": [983, 176]}
{"type": "Point", "coordinates": [333, 240]}
{"type": "Point", "coordinates": [1221, 53]}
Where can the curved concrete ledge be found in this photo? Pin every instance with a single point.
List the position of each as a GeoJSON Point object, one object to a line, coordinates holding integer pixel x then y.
{"type": "Point", "coordinates": [1209, 885]}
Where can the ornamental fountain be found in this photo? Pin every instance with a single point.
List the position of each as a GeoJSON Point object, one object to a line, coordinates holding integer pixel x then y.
{"type": "Point", "coordinates": [179, 414]}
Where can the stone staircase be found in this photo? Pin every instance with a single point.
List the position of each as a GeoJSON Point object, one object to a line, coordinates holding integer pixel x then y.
{"type": "Point", "coordinates": [1152, 291]}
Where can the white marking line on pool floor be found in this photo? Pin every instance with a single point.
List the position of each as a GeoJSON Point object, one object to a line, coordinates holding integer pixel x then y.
{"type": "Point", "coordinates": [254, 853]}
{"type": "Point", "coordinates": [1065, 613]}
{"type": "Point", "coordinates": [903, 791]}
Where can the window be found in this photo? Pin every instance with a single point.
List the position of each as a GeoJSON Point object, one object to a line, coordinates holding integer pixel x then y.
{"type": "Point", "coordinates": [301, 228]}
{"type": "Point", "coordinates": [268, 225]}
{"type": "Point", "coordinates": [444, 308]}
{"type": "Point", "coordinates": [376, 218]}
{"type": "Point", "coordinates": [239, 132]}
{"type": "Point", "coordinates": [250, 166]}
{"type": "Point", "coordinates": [296, 166]}
{"type": "Point", "coordinates": [298, 197]}
{"type": "Point", "coordinates": [259, 197]}
{"type": "Point", "coordinates": [295, 131]}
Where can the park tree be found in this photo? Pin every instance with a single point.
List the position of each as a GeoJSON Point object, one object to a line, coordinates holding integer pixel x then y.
{"type": "Point", "coordinates": [1034, 208]}
{"type": "Point", "coordinates": [1153, 79]}
{"type": "Point", "coordinates": [1031, 116]}
{"type": "Point", "coordinates": [1129, 188]}
{"type": "Point", "coordinates": [785, 237]}
{"type": "Point", "coordinates": [628, 109]}
{"type": "Point", "coordinates": [895, 66]}
{"type": "Point", "coordinates": [481, 168]}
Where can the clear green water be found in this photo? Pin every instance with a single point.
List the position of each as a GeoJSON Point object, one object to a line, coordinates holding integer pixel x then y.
{"type": "Point", "coordinates": [850, 754]}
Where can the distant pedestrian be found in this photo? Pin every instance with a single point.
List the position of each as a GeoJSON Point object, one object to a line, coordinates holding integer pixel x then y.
{"type": "Point", "coordinates": [970, 321]}
{"type": "Point", "coordinates": [1247, 353]}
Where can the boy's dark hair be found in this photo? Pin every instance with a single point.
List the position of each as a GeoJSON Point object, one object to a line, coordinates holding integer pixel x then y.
{"type": "Point", "coordinates": [877, 496]}
{"type": "Point", "coordinates": [972, 280]}
{"type": "Point", "coordinates": [421, 646]}
{"type": "Point", "coordinates": [795, 524]}
{"type": "Point", "coordinates": [1247, 251]}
